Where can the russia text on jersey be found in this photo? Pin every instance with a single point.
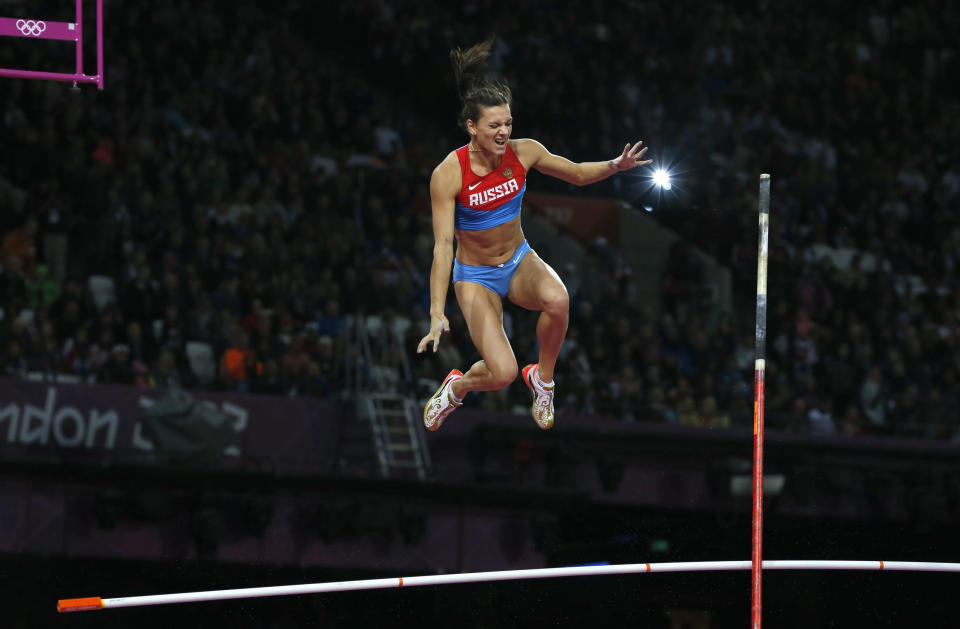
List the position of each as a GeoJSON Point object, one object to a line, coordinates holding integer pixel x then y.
{"type": "Point", "coordinates": [479, 198]}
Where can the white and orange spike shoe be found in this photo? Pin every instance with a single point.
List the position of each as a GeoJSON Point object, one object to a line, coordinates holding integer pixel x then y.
{"type": "Point", "coordinates": [542, 409]}
{"type": "Point", "coordinates": [442, 403]}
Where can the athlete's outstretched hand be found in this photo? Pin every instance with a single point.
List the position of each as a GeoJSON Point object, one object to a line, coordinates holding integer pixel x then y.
{"type": "Point", "coordinates": [438, 325]}
{"type": "Point", "coordinates": [630, 158]}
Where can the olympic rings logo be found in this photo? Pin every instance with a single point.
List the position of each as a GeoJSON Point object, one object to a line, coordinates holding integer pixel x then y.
{"type": "Point", "coordinates": [31, 28]}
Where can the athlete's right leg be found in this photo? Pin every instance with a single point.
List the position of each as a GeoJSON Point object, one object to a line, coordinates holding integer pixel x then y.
{"type": "Point", "coordinates": [483, 311]}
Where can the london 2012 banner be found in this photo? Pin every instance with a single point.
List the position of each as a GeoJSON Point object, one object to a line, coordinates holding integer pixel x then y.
{"type": "Point", "coordinates": [84, 420]}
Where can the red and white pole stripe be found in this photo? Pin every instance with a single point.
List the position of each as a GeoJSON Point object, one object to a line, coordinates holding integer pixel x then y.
{"type": "Point", "coordinates": [756, 606]}
{"type": "Point", "coordinates": [95, 602]}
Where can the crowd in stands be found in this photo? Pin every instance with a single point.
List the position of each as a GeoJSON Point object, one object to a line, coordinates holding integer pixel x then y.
{"type": "Point", "coordinates": [253, 181]}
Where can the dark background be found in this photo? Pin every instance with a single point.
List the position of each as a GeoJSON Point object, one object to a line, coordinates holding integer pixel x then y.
{"type": "Point", "coordinates": [254, 173]}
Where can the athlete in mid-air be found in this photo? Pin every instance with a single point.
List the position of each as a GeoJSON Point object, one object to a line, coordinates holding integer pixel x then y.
{"type": "Point", "coordinates": [476, 193]}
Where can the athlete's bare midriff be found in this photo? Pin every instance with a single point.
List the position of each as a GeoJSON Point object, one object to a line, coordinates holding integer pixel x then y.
{"type": "Point", "coordinates": [489, 247]}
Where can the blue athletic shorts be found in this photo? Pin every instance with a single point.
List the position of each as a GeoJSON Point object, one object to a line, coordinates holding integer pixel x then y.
{"type": "Point", "coordinates": [496, 278]}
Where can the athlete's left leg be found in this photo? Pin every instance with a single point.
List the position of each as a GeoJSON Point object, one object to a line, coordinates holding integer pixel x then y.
{"type": "Point", "coordinates": [536, 286]}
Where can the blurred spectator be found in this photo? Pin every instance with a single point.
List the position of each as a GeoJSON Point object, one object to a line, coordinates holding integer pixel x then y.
{"type": "Point", "coordinates": [708, 415]}
{"type": "Point", "coordinates": [13, 286]}
{"type": "Point", "coordinates": [269, 380]}
{"type": "Point", "coordinates": [117, 368]}
{"type": "Point", "coordinates": [46, 356]}
{"type": "Point", "coordinates": [839, 376]}
{"type": "Point", "coordinates": [239, 364]}
{"type": "Point", "coordinates": [656, 409]}
{"type": "Point", "coordinates": [907, 413]}
{"type": "Point", "coordinates": [140, 299]}
{"type": "Point", "coordinates": [142, 347]}
{"type": "Point", "coordinates": [389, 142]}
{"type": "Point", "coordinates": [820, 417]}
{"type": "Point", "coordinates": [42, 290]}
{"type": "Point", "coordinates": [682, 279]}
{"type": "Point", "coordinates": [687, 413]}
{"type": "Point", "coordinates": [330, 322]}
{"type": "Point", "coordinates": [165, 371]}
{"type": "Point", "coordinates": [851, 422]}
{"type": "Point", "coordinates": [21, 243]}
{"type": "Point", "coordinates": [14, 363]}
{"type": "Point", "coordinates": [874, 402]}
{"type": "Point", "coordinates": [77, 353]}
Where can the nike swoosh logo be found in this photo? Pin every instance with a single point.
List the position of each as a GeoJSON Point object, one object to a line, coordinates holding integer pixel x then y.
{"type": "Point", "coordinates": [517, 258]}
{"type": "Point", "coordinates": [473, 186]}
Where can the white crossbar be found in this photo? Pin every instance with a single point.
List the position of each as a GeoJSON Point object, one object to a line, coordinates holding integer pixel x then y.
{"type": "Point", "coordinates": [84, 604]}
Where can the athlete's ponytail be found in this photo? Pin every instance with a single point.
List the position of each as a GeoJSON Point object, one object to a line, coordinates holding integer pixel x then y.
{"type": "Point", "coordinates": [475, 89]}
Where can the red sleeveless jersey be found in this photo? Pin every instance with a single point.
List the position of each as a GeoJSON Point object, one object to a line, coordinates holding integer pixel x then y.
{"type": "Point", "coordinates": [491, 200]}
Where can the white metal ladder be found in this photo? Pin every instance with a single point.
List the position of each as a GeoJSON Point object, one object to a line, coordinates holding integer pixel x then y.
{"type": "Point", "coordinates": [397, 434]}
{"type": "Point", "coordinates": [383, 391]}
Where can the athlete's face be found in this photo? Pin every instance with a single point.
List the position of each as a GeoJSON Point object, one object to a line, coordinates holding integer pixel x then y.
{"type": "Point", "coordinates": [493, 128]}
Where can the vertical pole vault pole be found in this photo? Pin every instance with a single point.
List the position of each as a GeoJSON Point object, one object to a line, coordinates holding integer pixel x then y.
{"type": "Point", "coordinates": [756, 609]}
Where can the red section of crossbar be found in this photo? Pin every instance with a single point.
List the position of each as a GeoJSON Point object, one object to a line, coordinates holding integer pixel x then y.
{"type": "Point", "coordinates": [79, 604]}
